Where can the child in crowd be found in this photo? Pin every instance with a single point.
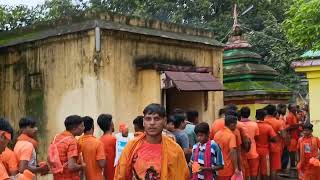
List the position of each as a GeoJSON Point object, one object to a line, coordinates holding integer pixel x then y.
{"type": "Point", "coordinates": [167, 131]}
{"type": "Point", "coordinates": [308, 148]}
{"type": "Point", "coordinates": [206, 153]}
{"type": "Point", "coordinates": [25, 148]}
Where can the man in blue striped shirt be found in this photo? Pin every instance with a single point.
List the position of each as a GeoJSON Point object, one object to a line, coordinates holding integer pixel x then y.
{"type": "Point", "coordinates": [206, 153]}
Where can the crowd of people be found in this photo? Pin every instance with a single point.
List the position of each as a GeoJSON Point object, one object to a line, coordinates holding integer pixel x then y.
{"type": "Point", "coordinates": [174, 146]}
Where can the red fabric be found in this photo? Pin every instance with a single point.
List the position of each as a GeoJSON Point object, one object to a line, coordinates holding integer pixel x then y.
{"type": "Point", "coordinates": [275, 161]}
{"type": "Point", "coordinates": [148, 155]}
{"type": "Point", "coordinates": [262, 141]}
{"type": "Point", "coordinates": [207, 161]}
{"type": "Point", "coordinates": [254, 166]}
{"type": "Point", "coordinates": [109, 144]}
{"type": "Point", "coordinates": [264, 165]}
{"type": "Point", "coordinates": [294, 133]}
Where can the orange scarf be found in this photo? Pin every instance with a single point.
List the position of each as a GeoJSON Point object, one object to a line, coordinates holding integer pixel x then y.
{"type": "Point", "coordinates": [24, 137]}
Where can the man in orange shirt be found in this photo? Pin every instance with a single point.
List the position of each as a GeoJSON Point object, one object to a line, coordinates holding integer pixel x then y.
{"type": "Point", "coordinates": [5, 138]}
{"type": "Point", "coordinates": [138, 126]}
{"type": "Point", "coordinates": [266, 135]}
{"type": "Point", "coordinates": [109, 143]}
{"type": "Point", "coordinates": [92, 151]}
{"type": "Point", "coordinates": [293, 130]}
{"type": "Point", "coordinates": [25, 148]}
{"type": "Point", "coordinates": [308, 147]}
{"type": "Point", "coordinates": [276, 147]}
{"type": "Point", "coordinates": [152, 155]}
{"type": "Point", "coordinates": [252, 155]}
{"type": "Point", "coordinates": [227, 141]}
{"type": "Point", "coordinates": [67, 146]}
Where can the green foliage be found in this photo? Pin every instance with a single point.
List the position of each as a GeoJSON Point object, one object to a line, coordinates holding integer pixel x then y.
{"type": "Point", "coordinates": [263, 23]}
{"type": "Point", "coordinates": [302, 25]}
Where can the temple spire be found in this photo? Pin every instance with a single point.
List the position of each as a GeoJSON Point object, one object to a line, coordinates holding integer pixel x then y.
{"type": "Point", "coordinates": [235, 16]}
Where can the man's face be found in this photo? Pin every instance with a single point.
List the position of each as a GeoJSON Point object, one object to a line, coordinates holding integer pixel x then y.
{"type": "Point", "coordinates": [4, 140]}
{"type": "Point", "coordinates": [79, 130]}
{"type": "Point", "coordinates": [293, 109]}
{"type": "Point", "coordinates": [31, 131]}
{"type": "Point", "coordinates": [202, 138]}
{"type": "Point", "coordinates": [170, 126]}
{"type": "Point", "coordinates": [125, 132]}
{"type": "Point", "coordinates": [307, 132]}
{"type": "Point", "coordinates": [153, 124]}
{"type": "Point", "coordinates": [283, 111]}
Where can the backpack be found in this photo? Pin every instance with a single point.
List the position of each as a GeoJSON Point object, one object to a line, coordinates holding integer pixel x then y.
{"type": "Point", "coordinates": [53, 156]}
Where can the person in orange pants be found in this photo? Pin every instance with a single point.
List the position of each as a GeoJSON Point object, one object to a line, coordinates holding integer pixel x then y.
{"type": "Point", "coordinates": [266, 135]}
{"type": "Point", "coordinates": [308, 147]}
{"type": "Point", "coordinates": [275, 148]}
{"type": "Point", "coordinates": [252, 157]}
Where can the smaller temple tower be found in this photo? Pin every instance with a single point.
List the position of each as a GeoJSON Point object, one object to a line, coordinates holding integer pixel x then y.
{"type": "Point", "coordinates": [248, 82]}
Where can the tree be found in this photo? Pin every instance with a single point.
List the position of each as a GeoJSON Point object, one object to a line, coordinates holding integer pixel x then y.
{"type": "Point", "coordinates": [302, 25]}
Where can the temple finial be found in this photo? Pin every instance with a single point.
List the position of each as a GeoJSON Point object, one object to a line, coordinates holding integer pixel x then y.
{"type": "Point", "coordinates": [235, 15]}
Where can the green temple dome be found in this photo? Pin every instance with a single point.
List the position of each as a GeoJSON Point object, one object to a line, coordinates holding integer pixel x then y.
{"type": "Point", "coordinates": [246, 77]}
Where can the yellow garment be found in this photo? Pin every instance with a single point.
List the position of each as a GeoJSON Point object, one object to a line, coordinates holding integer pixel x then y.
{"type": "Point", "coordinates": [174, 165]}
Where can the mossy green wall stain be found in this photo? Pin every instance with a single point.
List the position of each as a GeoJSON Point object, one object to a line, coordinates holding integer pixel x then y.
{"type": "Point", "coordinates": [269, 86]}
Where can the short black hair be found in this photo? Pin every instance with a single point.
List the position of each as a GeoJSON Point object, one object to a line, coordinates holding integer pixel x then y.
{"type": "Point", "coordinates": [192, 115]}
{"type": "Point", "coordinates": [88, 123]}
{"type": "Point", "coordinates": [178, 119]}
{"type": "Point", "coordinates": [222, 111]}
{"type": "Point", "coordinates": [104, 121]}
{"type": "Point", "coordinates": [308, 126]}
{"type": "Point", "coordinates": [138, 121]}
{"type": "Point", "coordinates": [245, 112]}
{"type": "Point", "coordinates": [232, 113]}
{"type": "Point", "coordinates": [155, 109]}
{"type": "Point", "coordinates": [271, 109]}
{"type": "Point", "coordinates": [6, 126]}
{"type": "Point", "coordinates": [290, 106]}
{"type": "Point", "coordinates": [231, 107]}
{"type": "Point", "coordinates": [202, 127]}
{"type": "Point", "coordinates": [281, 106]}
{"type": "Point", "coordinates": [27, 121]}
{"type": "Point", "coordinates": [260, 114]}
{"type": "Point", "coordinates": [170, 119]}
{"type": "Point", "coordinates": [229, 119]}
{"type": "Point", "coordinates": [72, 122]}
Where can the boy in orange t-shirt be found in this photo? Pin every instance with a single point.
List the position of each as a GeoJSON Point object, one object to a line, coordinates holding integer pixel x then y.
{"type": "Point", "coordinates": [109, 143]}
{"type": "Point", "coordinates": [266, 135]}
{"type": "Point", "coordinates": [308, 147]}
{"type": "Point", "coordinates": [25, 148]}
{"type": "Point", "coordinates": [92, 151]}
{"type": "Point", "coordinates": [276, 147]}
{"type": "Point", "coordinates": [227, 141]}
{"type": "Point", "coordinates": [5, 137]}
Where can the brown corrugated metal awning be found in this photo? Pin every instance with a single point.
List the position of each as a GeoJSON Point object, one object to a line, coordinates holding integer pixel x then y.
{"type": "Point", "coordinates": [191, 81]}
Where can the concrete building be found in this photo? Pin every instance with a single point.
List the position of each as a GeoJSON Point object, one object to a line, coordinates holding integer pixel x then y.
{"type": "Point", "coordinates": [111, 64]}
{"type": "Point", "coordinates": [310, 65]}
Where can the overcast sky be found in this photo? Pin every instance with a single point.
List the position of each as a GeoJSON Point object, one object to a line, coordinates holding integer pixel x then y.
{"type": "Point", "coordinates": [25, 2]}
